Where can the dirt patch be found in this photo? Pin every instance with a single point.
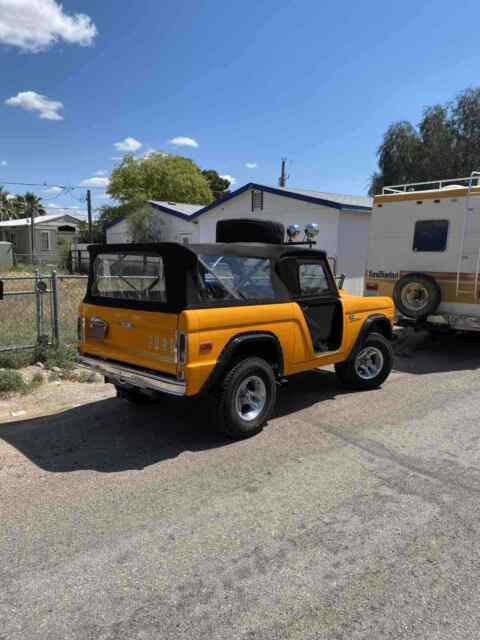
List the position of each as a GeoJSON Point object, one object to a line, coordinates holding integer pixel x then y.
{"type": "Point", "coordinates": [52, 397]}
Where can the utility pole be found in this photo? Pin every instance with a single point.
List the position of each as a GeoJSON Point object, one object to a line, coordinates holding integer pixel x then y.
{"type": "Point", "coordinates": [89, 211]}
{"type": "Point", "coordinates": [32, 232]}
{"type": "Point", "coordinates": [283, 175]}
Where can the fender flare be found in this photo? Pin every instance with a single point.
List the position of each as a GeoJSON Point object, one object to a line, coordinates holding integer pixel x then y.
{"type": "Point", "coordinates": [370, 322]}
{"type": "Point", "coordinates": [234, 344]}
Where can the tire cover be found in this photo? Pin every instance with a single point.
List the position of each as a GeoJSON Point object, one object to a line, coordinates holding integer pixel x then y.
{"type": "Point", "coordinates": [246, 230]}
{"type": "Point", "coordinates": [417, 295]}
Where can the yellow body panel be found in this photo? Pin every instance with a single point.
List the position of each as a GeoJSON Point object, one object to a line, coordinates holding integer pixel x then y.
{"type": "Point", "coordinates": [147, 339]}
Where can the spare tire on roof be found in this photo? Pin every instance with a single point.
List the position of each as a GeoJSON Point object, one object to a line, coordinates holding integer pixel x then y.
{"type": "Point", "coordinates": [247, 230]}
{"type": "Point", "coordinates": [417, 295]}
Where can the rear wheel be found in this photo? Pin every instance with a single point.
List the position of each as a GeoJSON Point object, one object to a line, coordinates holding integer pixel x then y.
{"type": "Point", "coordinates": [245, 398]}
{"type": "Point", "coordinates": [370, 367]}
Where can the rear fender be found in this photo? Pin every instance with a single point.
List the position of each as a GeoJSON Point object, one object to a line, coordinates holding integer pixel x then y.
{"type": "Point", "coordinates": [255, 343]}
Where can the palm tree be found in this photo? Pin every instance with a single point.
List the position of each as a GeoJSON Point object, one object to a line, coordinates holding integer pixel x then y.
{"type": "Point", "coordinates": [32, 201]}
{"type": "Point", "coordinates": [5, 205]}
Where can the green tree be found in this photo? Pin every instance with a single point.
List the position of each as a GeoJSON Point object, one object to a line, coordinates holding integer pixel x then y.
{"type": "Point", "coordinates": [109, 213]}
{"type": "Point", "coordinates": [159, 177]}
{"type": "Point", "coordinates": [145, 225]}
{"type": "Point", "coordinates": [19, 206]}
{"type": "Point", "coordinates": [218, 185]}
{"type": "Point", "coordinates": [446, 144]}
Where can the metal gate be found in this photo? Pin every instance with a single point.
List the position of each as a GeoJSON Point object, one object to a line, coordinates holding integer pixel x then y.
{"type": "Point", "coordinates": [29, 312]}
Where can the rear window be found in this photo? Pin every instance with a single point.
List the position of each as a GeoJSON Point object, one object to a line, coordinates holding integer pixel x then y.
{"type": "Point", "coordinates": [129, 276]}
{"type": "Point", "coordinates": [430, 235]}
{"type": "Point", "coordinates": [235, 278]}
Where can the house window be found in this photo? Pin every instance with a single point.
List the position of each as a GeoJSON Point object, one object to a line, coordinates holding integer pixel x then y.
{"type": "Point", "coordinates": [44, 241]}
{"type": "Point", "coordinates": [257, 200]}
{"type": "Point", "coordinates": [430, 235]}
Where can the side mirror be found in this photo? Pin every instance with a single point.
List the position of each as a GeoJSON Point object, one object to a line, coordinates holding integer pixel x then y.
{"type": "Point", "coordinates": [340, 280]}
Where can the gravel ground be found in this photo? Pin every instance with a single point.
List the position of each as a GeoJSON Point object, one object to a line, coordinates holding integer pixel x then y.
{"type": "Point", "coordinates": [352, 516]}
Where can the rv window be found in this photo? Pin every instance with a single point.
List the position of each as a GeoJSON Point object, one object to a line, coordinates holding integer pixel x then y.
{"type": "Point", "coordinates": [430, 235]}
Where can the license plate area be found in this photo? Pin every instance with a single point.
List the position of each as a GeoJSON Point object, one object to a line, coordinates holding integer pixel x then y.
{"type": "Point", "coordinates": [97, 328]}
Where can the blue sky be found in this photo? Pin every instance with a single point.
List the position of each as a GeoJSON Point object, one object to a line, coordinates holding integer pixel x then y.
{"type": "Point", "coordinates": [249, 82]}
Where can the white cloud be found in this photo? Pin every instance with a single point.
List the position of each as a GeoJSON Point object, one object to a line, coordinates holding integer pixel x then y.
{"type": "Point", "coordinates": [182, 141]}
{"type": "Point", "coordinates": [101, 172]}
{"type": "Point", "coordinates": [53, 190]}
{"type": "Point", "coordinates": [251, 165]}
{"type": "Point", "coordinates": [129, 145]}
{"type": "Point", "coordinates": [3, 163]}
{"type": "Point", "coordinates": [231, 179]}
{"type": "Point", "coordinates": [149, 152]}
{"type": "Point", "coordinates": [35, 25]}
{"type": "Point", "coordinates": [33, 101]}
{"type": "Point", "coordinates": [96, 181]}
{"type": "Point", "coordinates": [116, 158]}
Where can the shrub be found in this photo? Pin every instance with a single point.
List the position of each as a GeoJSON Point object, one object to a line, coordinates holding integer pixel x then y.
{"type": "Point", "coordinates": [63, 357]}
{"type": "Point", "coordinates": [12, 382]}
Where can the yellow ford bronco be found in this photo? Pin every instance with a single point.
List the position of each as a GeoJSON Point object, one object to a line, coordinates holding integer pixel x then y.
{"type": "Point", "coordinates": [230, 319]}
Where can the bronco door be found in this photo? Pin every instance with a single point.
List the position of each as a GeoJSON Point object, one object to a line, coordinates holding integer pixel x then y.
{"type": "Point", "coordinates": [126, 316]}
{"type": "Point", "coordinates": [317, 296]}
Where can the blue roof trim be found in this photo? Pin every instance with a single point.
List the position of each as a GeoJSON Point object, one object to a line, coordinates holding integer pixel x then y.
{"type": "Point", "coordinates": [253, 185]}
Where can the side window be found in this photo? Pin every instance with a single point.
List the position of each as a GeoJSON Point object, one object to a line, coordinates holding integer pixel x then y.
{"type": "Point", "coordinates": [430, 235]}
{"type": "Point", "coordinates": [313, 279]}
{"type": "Point", "coordinates": [235, 277]}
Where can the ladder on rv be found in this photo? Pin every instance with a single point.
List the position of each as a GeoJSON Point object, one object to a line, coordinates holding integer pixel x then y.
{"type": "Point", "coordinates": [464, 285]}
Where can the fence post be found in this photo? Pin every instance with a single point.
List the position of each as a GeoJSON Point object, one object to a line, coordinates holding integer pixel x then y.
{"type": "Point", "coordinates": [38, 310]}
{"type": "Point", "coordinates": [55, 318]}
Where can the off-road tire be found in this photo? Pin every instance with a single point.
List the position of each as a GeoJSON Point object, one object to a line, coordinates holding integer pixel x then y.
{"type": "Point", "coordinates": [426, 284]}
{"type": "Point", "coordinates": [347, 371]}
{"type": "Point", "coordinates": [227, 418]}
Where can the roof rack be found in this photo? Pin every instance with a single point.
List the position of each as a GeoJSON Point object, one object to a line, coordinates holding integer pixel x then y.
{"type": "Point", "coordinates": [435, 185]}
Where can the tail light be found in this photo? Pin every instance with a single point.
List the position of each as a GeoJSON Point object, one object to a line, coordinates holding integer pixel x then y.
{"type": "Point", "coordinates": [81, 329]}
{"type": "Point", "coordinates": [371, 286]}
{"type": "Point", "coordinates": [182, 353]}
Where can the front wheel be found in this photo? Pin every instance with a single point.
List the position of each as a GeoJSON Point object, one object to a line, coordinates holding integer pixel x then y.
{"type": "Point", "coordinates": [245, 399]}
{"type": "Point", "coordinates": [371, 365]}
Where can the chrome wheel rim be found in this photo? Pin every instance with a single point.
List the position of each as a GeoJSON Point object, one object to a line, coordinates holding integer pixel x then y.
{"type": "Point", "coordinates": [250, 398]}
{"type": "Point", "coordinates": [415, 296]}
{"type": "Point", "coordinates": [369, 363]}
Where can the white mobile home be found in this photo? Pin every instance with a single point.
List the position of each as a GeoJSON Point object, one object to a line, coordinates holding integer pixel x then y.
{"type": "Point", "coordinates": [424, 250]}
{"type": "Point", "coordinates": [343, 222]}
{"type": "Point", "coordinates": [50, 232]}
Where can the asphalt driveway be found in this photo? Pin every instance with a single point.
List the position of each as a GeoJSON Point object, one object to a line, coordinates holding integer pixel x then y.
{"type": "Point", "coordinates": [353, 515]}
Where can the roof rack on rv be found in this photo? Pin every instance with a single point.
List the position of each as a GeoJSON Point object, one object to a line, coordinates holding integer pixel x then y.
{"type": "Point", "coordinates": [434, 185]}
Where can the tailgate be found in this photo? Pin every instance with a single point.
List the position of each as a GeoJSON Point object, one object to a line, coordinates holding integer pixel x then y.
{"type": "Point", "coordinates": [128, 314]}
{"type": "Point", "coordinates": [142, 338]}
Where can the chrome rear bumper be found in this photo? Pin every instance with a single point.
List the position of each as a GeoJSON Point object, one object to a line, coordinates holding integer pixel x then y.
{"type": "Point", "coordinates": [125, 375]}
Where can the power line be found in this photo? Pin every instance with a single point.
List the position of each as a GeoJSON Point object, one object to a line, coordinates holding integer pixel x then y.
{"type": "Point", "coordinates": [46, 184]}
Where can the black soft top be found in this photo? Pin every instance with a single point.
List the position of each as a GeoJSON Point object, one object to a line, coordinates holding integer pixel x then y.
{"type": "Point", "coordinates": [180, 263]}
{"type": "Point", "coordinates": [256, 250]}
{"type": "Point", "coordinates": [187, 253]}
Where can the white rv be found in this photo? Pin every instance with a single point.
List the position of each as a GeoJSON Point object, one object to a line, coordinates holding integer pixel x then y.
{"type": "Point", "coordinates": [424, 251]}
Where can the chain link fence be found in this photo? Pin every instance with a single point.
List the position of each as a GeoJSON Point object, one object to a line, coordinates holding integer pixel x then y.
{"type": "Point", "coordinates": [39, 310]}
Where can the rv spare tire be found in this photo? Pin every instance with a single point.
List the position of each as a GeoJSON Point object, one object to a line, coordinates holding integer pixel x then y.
{"type": "Point", "coordinates": [417, 295]}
